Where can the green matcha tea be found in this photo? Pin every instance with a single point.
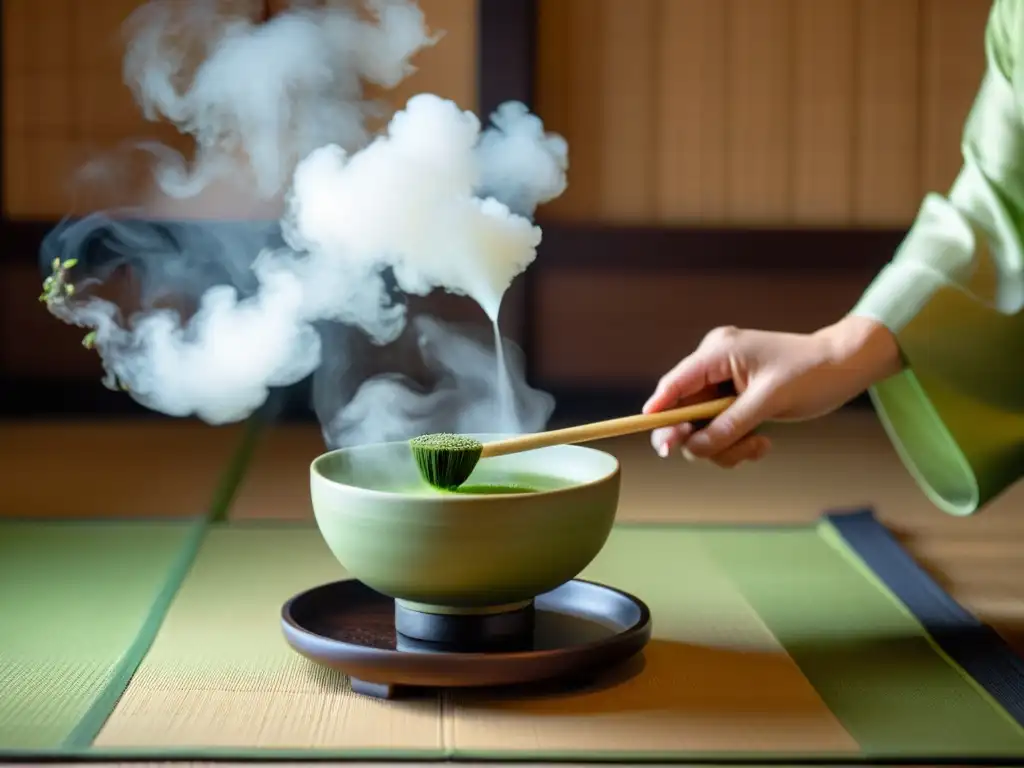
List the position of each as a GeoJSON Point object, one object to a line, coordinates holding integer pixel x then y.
{"type": "Point", "coordinates": [490, 489]}
{"type": "Point", "coordinates": [505, 483]}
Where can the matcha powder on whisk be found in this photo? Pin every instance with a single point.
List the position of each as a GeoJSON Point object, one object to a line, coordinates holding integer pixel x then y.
{"type": "Point", "coordinates": [444, 460]}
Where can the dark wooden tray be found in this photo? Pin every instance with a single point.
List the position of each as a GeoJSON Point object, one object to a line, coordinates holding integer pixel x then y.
{"type": "Point", "coordinates": [578, 627]}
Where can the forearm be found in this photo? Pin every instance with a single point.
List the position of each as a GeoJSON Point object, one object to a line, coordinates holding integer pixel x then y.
{"type": "Point", "coordinates": [862, 350]}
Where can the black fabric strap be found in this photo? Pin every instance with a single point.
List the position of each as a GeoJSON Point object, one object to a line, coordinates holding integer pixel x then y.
{"type": "Point", "coordinates": [974, 646]}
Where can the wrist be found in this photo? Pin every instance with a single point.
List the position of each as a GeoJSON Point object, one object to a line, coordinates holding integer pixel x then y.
{"type": "Point", "coordinates": [862, 345]}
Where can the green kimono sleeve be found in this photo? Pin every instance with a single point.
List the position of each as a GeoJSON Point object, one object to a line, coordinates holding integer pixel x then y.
{"type": "Point", "coordinates": [953, 296]}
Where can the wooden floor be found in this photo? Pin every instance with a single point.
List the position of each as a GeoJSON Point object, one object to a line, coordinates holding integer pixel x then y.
{"type": "Point", "coordinates": [172, 468]}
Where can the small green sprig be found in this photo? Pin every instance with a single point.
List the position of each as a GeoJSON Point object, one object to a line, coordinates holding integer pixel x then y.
{"type": "Point", "coordinates": [58, 288]}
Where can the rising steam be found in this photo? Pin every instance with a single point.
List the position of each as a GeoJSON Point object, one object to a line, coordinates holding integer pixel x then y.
{"type": "Point", "coordinates": [462, 398]}
{"type": "Point", "coordinates": [225, 311]}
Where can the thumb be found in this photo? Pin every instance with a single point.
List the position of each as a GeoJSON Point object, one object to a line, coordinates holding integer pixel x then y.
{"type": "Point", "coordinates": [690, 376]}
{"type": "Point", "coordinates": [740, 419]}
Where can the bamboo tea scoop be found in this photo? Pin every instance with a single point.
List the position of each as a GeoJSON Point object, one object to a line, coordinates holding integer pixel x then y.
{"type": "Point", "coordinates": [446, 461]}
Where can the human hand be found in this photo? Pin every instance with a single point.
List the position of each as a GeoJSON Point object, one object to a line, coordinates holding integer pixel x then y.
{"type": "Point", "coordinates": [777, 377]}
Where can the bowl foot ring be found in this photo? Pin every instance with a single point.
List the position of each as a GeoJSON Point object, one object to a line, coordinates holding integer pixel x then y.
{"type": "Point", "coordinates": [507, 631]}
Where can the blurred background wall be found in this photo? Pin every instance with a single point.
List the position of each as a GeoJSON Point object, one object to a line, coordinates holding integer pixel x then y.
{"type": "Point", "coordinates": [742, 115]}
{"type": "Point", "coordinates": [732, 161]}
{"type": "Point", "coordinates": [64, 102]}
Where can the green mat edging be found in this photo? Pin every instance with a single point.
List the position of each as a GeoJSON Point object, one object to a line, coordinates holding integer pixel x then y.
{"type": "Point", "coordinates": [74, 705]}
{"type": "Point", "coordinates": [231, 480]}
{"type": "Point", "coordinates": [79, 740]}
{"type": "Point", "coordinates": [833, 537]}
{"type": "Point", "coordinates": [96, 716]}
{"type": "Point", "coordinates": [103, 707]}
{"type": "Point", "coordinates": [841, 656]}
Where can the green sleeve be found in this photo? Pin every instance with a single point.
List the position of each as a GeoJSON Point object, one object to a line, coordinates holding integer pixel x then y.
{"type": "Point", "coordinates": [953, 295]}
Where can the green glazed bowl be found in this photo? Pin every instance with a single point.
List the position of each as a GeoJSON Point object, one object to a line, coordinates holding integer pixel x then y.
{"type": "Point", "coordinates": [474, 551]}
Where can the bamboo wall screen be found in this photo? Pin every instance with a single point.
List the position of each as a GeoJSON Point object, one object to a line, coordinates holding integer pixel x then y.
{"type": "Point", "coordinates": [757, 112]}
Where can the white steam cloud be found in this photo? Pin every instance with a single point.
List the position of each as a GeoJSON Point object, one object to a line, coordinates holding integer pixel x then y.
{"type": "Point", "coordinates": [226, 311]}
{"type": "Point", "coordinates": [409, 201]}
{"type": "Point", "coordinates": [271, 92]}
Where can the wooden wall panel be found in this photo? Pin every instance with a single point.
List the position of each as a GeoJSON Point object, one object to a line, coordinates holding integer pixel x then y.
{"type": "Point", "coordinates": [765, 112]}
{"type": "Point", "coordinates": [760, 108]}
{"type": "Point", "coordinates": [889, 112]}
{"type": "Point", "coordinates": [824, 112]}
{"type": "Point", "coordinates": [569, 98]}
{"type": "Point", "coordinates": [65, 99]}
{"type": "Point", "coordinates": [629, 116]}
{"type": "Point", "coordinates": [447, 69]}
{"type": "Point", "coordinates": [691, 139]}
{"type": "Point", "coordinates": [951, 76]}
{"type": "Point", "coordinates": [609, 327]}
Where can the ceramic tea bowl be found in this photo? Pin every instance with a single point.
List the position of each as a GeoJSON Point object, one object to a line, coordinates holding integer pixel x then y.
{"type": "Point", "coordinates": [482, 549]}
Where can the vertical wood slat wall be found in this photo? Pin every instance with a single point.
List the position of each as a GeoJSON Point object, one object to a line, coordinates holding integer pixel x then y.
{"type": "Point", "coordinates": [757, 112]}
{"type": "Point", "coordinates": [736, 113]}
{"type": "Point", "coordinates": [65, 101]}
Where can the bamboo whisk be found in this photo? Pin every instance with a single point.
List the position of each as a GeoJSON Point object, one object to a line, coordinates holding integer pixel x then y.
{"type": "Point", "coordinates": [446, 461]}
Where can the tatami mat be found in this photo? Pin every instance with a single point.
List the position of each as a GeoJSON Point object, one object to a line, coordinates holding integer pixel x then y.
{"type": "Point", "coordinates": [747, 659]}
{"type": "Point", "coordinates": [79, 603]}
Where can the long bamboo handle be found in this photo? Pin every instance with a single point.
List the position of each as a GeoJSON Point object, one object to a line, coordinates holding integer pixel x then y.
{"type": "Point", "coordinates": [627, 425]}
